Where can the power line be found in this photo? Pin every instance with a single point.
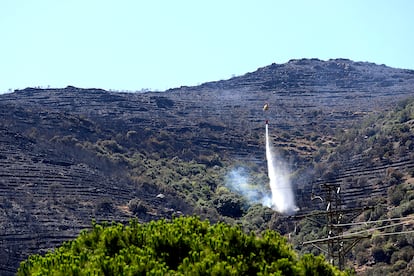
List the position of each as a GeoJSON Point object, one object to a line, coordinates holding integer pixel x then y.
{"type": "Point", "coordinates": [348, 235]}
{"type": "Point", "coordinates": [337, 219]}
{"type": "Point", "coordinates": [394, 233]}
{"type": "Point", "coordinates": [337, 244]}
{"type": "Point", "coordinates": [375, 228]}
{"type": "Point", "coordinates": [373, 221]}
{"type": "Point", "coordinates": [332, 238]}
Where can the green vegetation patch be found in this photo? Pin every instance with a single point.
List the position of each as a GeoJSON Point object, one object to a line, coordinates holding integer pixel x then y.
{"type": "Point", "coordinates": [183, 246]}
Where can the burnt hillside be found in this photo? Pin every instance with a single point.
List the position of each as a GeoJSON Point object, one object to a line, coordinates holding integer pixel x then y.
{"type": "Point", "coordinates": [70, 155]}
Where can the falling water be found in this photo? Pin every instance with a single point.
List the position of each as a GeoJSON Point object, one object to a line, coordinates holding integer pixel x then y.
{"type": "Point", "coordinates": [282, 196]}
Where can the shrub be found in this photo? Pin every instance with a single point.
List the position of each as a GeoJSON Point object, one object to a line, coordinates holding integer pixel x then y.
{"type": "Point", "coordinates": [399, 265]}
{"type": "Point", "coordinates": [136, 206]}
{"type": "Point", "coordinates": [105, 205]}
{"type": "Point", "coordinates": [230, 205]}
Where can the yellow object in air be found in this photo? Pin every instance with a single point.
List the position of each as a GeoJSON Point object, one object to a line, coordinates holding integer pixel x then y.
{"type": "Point", "coordinates": [265, 107]}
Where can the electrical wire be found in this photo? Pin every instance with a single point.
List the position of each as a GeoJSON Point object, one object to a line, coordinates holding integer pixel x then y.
{"type": "Point", "coordinates": [372, 221]}
{"type": "Point", "coordinates": [394, 233]}
{"type": "Point", "coordinates": [366, 231]}
{"type": "Point", "coordinates": [346, 234]}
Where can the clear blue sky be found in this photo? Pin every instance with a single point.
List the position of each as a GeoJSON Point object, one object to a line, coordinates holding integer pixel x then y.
{"type": "Point", "coordinates": [132, 44]}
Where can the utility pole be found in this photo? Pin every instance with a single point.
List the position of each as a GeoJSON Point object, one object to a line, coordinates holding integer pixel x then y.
{"type": "Point", "coordinates": [336, 219]}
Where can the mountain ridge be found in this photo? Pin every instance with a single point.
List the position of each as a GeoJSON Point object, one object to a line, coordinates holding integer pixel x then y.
{"type": "Point", "coordinates": [96, 149]}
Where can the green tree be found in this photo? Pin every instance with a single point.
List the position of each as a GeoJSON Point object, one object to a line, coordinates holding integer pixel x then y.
{"type": "Point", "coordinates": [183, 246]}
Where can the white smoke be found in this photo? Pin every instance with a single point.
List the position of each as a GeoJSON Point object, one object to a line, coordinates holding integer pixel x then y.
{"type": "Point", "coordinates": [239, 181]}
{"type": "Point", "coordinates": [282, 199]}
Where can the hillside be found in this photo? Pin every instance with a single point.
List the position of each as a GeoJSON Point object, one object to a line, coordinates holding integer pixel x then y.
{"type": "Point", "coordinates": [70, 155]}
{"type": "Point", "coordinates": [373, 164]}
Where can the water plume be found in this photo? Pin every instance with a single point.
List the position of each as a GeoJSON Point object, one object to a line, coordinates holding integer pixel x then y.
{"type": "Point", "coordinates": [282, 199]}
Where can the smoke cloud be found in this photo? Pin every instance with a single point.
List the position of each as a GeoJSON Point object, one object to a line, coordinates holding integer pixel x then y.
{"type": "Point", "coordinates": [239, 181]}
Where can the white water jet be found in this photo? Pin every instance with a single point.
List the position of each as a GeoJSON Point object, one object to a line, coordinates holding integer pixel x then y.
{"type": "Point", "coordinates": [282, 199]}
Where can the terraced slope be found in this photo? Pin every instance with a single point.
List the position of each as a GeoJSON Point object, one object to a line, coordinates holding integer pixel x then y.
{"type": "Point", "coordinates": [49, 191]}
{"type": "Point", "coordinates": [52, 184]}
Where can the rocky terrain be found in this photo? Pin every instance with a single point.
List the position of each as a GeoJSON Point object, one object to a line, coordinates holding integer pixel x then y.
{"type": "Point", "coordinates": [56, 176]}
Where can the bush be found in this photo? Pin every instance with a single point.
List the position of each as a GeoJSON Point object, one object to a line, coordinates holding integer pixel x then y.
{"type": "Point", "coordinates": [105, 205]}
{"type": "Point", "coordinates": [399, 265]}
{"type": "Point", "coordinates": [395, 195]}
{"type": "Point", "coordinates": [184, 246]}
{"type": "Point", "coordinates": [136, 206]}
{"type": "Point", "coordinates": [230, 205]}
{"type": "Point", "coordinates": [380, 255]}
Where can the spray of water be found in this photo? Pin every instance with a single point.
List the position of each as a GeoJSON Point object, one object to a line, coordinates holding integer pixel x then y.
{"type": "Point", "coordinates": [282, 199]}
{"type": "Point", "coordinates": [281, 196]}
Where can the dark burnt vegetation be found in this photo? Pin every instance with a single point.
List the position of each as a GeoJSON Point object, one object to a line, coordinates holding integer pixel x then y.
{"type": "Point", "coordinates": [69, 155]}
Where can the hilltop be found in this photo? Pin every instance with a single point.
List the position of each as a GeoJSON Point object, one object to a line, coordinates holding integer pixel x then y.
{"type": "Point", "coordinates": [71, 155]}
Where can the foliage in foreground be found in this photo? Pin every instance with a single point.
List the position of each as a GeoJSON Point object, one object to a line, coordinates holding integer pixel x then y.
{"type": "Point", "coordinates": [183, 246]}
